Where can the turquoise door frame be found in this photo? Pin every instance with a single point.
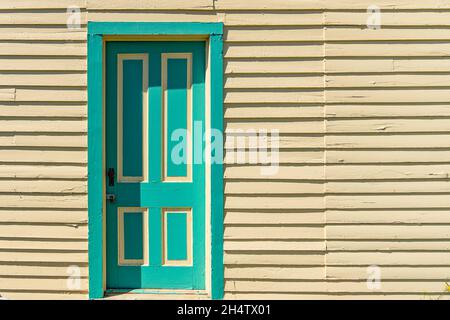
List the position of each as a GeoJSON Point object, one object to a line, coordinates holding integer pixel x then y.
{"type": "Point", "coordinates": [98, 34]}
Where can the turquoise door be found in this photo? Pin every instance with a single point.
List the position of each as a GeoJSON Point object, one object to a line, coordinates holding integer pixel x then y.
{"type": "Point", "coordinates": [155, 185]}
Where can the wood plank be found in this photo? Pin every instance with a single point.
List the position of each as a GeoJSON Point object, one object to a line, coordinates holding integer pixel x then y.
{"type": "Point", "coordinates": [273, 112]}
{"type": "Point", "coordinates": [43, 295]}
{"type": "Point", "coordinates": [380, 172]}
{"type": "Point", "coordinates": [274, 245]}
{"type": "Point", "coordinates": [418, 141]}
{"type": "Point", "coordinates": [52, 186]}
{"type": "Point", "coordinates": [253, 66]}
{"type": "Point", "coordinates": [388, 156]}
{"type": "Point", "coordinates": [414, 216]}
{"type": "Point", "coordinates": [50, 110]}
{"type": "Point", "coordinates": [38, 270]}
{"type": "Point", "coordinates": [36, 284]}
{"type": "Point", "coordinates": [41, 4]}
{"type": "Point", "coordinates": [385, 33]}
{"type": "Point", "coordinates": [388, 125]}
{"type": "Point", "coordinates": [388, 201]}
{"type": "Point", "coordinates": [42, 49]}
{"type": "Point", "coordinates": [387, 246]}
{"type": "Point", "coordinates": [272, 187]}
{"type": "Point", "coordinates": [387, 80]}
{"type": "Point", "coordinates": [418, 18]}
{"type": "Point", "coordinates": [44, 79]}
{"type": "Point", "coordinates": [44, 232]}
{"type": "Point", "coordinates": [273, 233]}
{"type": "Point", "coordinates": [387, 111]}
{"type": "Point", "coordinates": [236, 18]}
{"type": "Point", "coordinates": [284, 259]}
{"type": "Point", "coordinates": [386, 64]}
{"type": "Point", "coordinates": [43, 64]}
{"type": "Point", "coordinates": [50, 95]}
{"type": "Point", "coordinates": [388, 187]}
{"type": "Point", "coordinates": [150, 5]}
{"type": "Point", "coordinates": [274, 273]}
{"type": "Point", "coordinates": [394, 49]}
{"type": "Point", "coordinates": [38, 201]}
{"type": "Point", "coordinates": [311, 96]}
{"type": "Point", "coordinates": [38, 125]}
{"type": "Point", "coordinates": [278, 217]}
{"type": "Point", "coordinates": [43, 172]}
{"type": "Point", "coordinates": [390, 273]}
{"type": "Point", "coordinates": [271, 127]}
{"type": "Point", "coordinates": [283, 172]}
{"type": "Point", "coordinates": [39, 156]}
{"type": "Point", "coordinates": [271, 82]}
{"type": "Point", "coordinates": [37, 245]}
{"type": "Point", "coordinates": [391, 232]}
{"type": "Point", "coordinates": [261, 202]}
{"type": "Point", "coordinates": [391, 259]}
{"type": "Point", "coordinates": [43, 216]}
{"type": "Point", "coordinates": [417, 95]}
{"type": "Point", "coordinates": [277, 51]}
{"type": "Point", "coordinates": [273, 34]}
{"type": "Point", "coordinates": [23, 140]}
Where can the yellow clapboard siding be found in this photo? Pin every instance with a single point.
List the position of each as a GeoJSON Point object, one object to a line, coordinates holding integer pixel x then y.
{"type": "Point", "coordinates": [387, 246]}
{"type": "Point", "coordinates": [385, 64]}
{"type": "Point", "coordinates": [278, 217]}
{"type": "Point", "coordinates": [37, 156]}
{"type": "Point", "coordinates": [38, 270]}
{"type": "Point", "coordinates": [54, 186]}
{"type": "Point", "coordinates": [71, 216]}
{"type": "Point", "coordinates": [242, 112]}
{"type": "Point", "coordinates": [305, 126]}
{"type": "Point", "coordinates": [33, 284]}
{"type": "Point", "coordinates": [384, 33]}
{"type": "Point", "coordinates": [421, 95]}
{"type": "Point", "coordinates": [276, 81]}
{"type": "Point", "coordinates": [236, 18]}
{"type": "Point", "coordinates": [260, 202]}
{"type": "Point", "coordinates": [43, 49]}
{"type": "Point", "coordinates": [274, 245]}
{"type": "Point", "coordinates": [388, 125]}
{"type": "Point", "coordinates": [38, 125]}
{"type": "Point", "coordinates": [388, 201]}
{"type": "Point", "coordinates": [42, 34]}
{"type": "Point", "coordinates": [254, 66]}
{"type": "Point", "coordinates": [388, 187]}
{"type": "Point", "coordinates": [417, 141]}
{"type": "Point", "coordinates": [381, 258]}
{"type": "Point", "coordinates": [390, 232]}
{"type": "Point", "coordinates": [274, 273]}
{"type": "Point", "coordinates": [30, 110]}
{"type": "Point", "coordinates": [256, 232]}
{"type": "Point", "coordinates": [53, 95]}
{"type": "Point", "coordinates": [42, 4]}
{"type": "Point", "coordinates": [291, 157]}
{"type": "Point", "coordinates": [387, 111]}
{"type": "Point", "coordinates": [390, 273]}
{"type": "Point", "coordinates": [23, 140]}
{"type": "Point", "coordinates": [43, 171]}
{"type": "Point", "coordinates": [43, 64]}
{"type": "Point", "coordinates": [43, 295]}
{"type": "Point", "coordinates": [264, 34]}
{"type": "Point", "coordinates": [388, 216]}
{"type": "Point", "coordinates": [264, 187]}
{"type": "Point", "coordinates": [273, 96]}
{"type": "Point", "coordinates": [273, 259]}
{"type": "Point", "coordinates": [45, 232]}
{"type": "Point", "coordinates": [389, 18]}
{"type": "Point", "coordinates": [297, 141]}
{"type": "Point", "coordinates": [38, 201]}
{"type": "Point", "coordinates": [150, 5]}
{"type": "Point", "coordinates": [36, 245]}
{"type": "Point", "coordinates": [43, 18]}
{"type": "Point", "coordinates": [335, 296]}
{"type": "Point", "coordinates": [44, 79]}
{"type": "Point", "coordinates": [386, 80]}
{"type": "Point", "coordinates": [380, 172]}
{"type": "Point", "coordinates": [388, 156]}
{"type": "Point", "coordinates": [272, 51]}
{"type": "Point", "coordinates": [280, 172]}
{"type": "Point", "coordinates": [275, 286]}
{"type": "Point", "coordinates": [7, 94]}
{"type": "Point", "coordinates": [406, 49]}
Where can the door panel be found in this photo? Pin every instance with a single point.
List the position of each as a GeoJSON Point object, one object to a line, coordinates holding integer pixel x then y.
{"type": "Point", "coordinates": [155, 228]}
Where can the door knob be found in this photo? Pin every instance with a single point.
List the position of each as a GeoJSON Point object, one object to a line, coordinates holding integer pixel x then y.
{"type": "Point", "coordinates": [111, 174]}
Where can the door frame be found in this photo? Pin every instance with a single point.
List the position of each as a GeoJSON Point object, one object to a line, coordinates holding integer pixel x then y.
{"type": "Point", "coordinates": [98, 34]}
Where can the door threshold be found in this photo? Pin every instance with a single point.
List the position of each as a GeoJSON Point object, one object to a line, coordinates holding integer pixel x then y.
{"type": "Point", "coordinates": [155, 294]}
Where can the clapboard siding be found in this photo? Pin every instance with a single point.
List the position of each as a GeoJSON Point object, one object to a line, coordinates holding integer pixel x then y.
{"type": "Point", "coordinates": [363, 117]}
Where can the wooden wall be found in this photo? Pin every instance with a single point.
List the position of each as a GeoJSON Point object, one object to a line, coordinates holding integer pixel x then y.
{"type": "Point", "coordinates": [364, 118]}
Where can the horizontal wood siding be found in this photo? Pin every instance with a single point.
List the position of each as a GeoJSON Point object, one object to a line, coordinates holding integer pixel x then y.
{"type": "Point", "coordinates": [363, 117]}
{"type": "Point", "coordinates": [43, 151]}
